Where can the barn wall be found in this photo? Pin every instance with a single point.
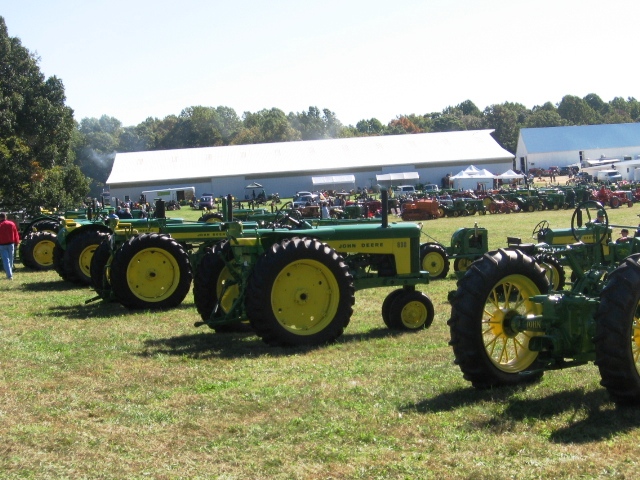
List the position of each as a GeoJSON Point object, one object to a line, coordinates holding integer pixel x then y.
{"type": "Point", "coordinates": [288, 185]}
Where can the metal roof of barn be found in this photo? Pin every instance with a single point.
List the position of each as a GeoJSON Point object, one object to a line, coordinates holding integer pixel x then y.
{"type": "Point", "coordinates": [580, 137]}
{"type": "Point", "coordinates": [311, 156]}
{"type": "Point", "coordinates": [394, 177]}
{"type": "Point", "coordinates": [333, 179]}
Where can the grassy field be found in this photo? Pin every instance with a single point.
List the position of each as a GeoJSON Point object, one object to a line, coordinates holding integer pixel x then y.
{"type": "Point", "coordinates": [96, 391]}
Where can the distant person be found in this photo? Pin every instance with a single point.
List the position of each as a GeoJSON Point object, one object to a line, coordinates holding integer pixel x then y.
{"type": "Point", "coordinates": [624, 236]}
{"type": "Point", "coordinates": [324, 211]}
{"type": "Point", "coordinates": [9, 239]}
{"type": "Point", "coordinates": [126, 213]}
{"type": "Point", "coordinates": [600, 217]}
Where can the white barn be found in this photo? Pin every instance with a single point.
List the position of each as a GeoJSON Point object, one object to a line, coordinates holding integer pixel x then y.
{"type": "Point", "coordinates": [575, 145]}
{"type": "Point", "coordinates": [292, 166]}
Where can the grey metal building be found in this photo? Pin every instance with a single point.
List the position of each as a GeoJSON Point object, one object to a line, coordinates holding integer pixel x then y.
{"type": "Point", "coordinates": [576, 145]}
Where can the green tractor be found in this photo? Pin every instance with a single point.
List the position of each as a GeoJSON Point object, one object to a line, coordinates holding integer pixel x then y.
{"type": "Point", "coordinates": [38, 234]}
{"type": "Point", "coordinates": [551, 247]}
{"type": "Point", "coordinates": [77, 240]}
{"type": "Point", "coordinates": [295, 283]}
{"type": "Point", "coordinates": [507, 328]}
{"type": "Point", "coordinates": [527, 200]}
{"type": "Point", "coordinates": [553, 198]}
{"type": "Point", "coordinates": [118, 271]}
{"type": "Point", "coordinates": [467, 245]}
{"type": "Point", "coordinates": [150, 266]}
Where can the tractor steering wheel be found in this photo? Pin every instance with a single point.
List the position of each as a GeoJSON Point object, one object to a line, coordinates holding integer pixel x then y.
{"type": "Point", "coordinates": [590, 208]}
{"type": "Point", "coordinates": [540, 228]}
{"type": "Point", "coordinates": [284, 218]}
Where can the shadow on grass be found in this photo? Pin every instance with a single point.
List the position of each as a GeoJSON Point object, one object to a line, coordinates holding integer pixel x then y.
{"type": "Point", "coordinates": [210, 344]}
{"type": "Point", "coordinates": [98, 309]}
{"type": "Point", "coordinates": [593, 416]}
{"type": "Point", "coordinates": [51, 287]}
{"type": "Point", "coordinates": [595, 419]}
{"type": "Point", "coordinates": [463, 397]}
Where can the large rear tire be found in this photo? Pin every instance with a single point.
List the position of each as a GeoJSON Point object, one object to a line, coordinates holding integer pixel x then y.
{"type": "Point", "coordinates": [150, 271]}
{"type": "Point", "coordinates": [617, 339]}
{"type": "Point", "coordinates": [553, 270]}
{"type": "Point", "coordinates": [36, 250]}
{"type": "Point", "coordinates": [45, 226]}
{"type": "Point", "coordinates": [59, 264]}
{"type": "Point", "coordinates": [496, 287]}
{"type": "Point", "coordinates": [210, 287]}
{"type": "Point", "coordinates": [211, 218]}
{"type": "Point", "coordinates": [78, 255]}
{"type": "Point", "coordinates": [300, 293]}
{"type": "Point", "coordinates": [433, 259]}
{"type": "Point", "coordinates": [99, 270]}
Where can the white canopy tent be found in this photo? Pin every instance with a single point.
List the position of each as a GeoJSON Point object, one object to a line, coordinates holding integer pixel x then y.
{"type": "Point", "coordinates": [397, 177]}
{"type": "Point", "coordinates": [509, 175]}
{"type": "Point", "coordinates": [473, 178]}
{"type": "Point", "coordinates": [333, 180]}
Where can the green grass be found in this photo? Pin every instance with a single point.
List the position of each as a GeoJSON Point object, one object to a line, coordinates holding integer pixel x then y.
{"type": "Point", "coordinates": [96, 391]}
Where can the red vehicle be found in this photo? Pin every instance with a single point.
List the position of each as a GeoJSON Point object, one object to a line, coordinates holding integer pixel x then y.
{"type": "Point", "coordinates": [613, 199]}
{"type": "Point", "coordinates": [424, 209]}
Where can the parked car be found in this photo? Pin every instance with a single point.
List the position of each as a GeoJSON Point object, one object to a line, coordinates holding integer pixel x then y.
{"type": "Point", "coordinates": [431, 188]}
{"type": "Point", "coordinates": [567, 170]}
{"type": "Point", "coordinates": [405, 190]}
{"type": "Point", "coordinates": [306, 200]}
{"type": "Point", "coordinates": [206, 201]}
{"type": "Point", "coordinates": [583, 177]}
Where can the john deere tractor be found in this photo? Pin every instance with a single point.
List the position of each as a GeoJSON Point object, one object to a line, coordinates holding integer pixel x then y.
{"type": "Point", "coordinates": [78, 238]}
{"type": "Point", "coordinates": [467, 245]}
{"type": "Point", "coordinates": [295, 283]}
{"type": "Point", "coordinates": [508, 328]}
{"type": "Point", "coordinates": [38, 233]}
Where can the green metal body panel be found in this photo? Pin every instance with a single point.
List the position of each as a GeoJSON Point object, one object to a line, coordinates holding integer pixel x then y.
{"type": "Point", "coordinates": [469, 243]}
{"type": "Point", "coordinates": [71, 228]}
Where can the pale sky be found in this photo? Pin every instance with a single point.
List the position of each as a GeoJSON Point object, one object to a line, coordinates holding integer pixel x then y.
{"type": "Point", "coordinates": [133, 59]}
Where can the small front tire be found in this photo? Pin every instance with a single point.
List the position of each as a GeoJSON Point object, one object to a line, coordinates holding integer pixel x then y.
{"type": "Point", "coordinates": [433, 259]}
{"type": "Point", "coordinates": [410, 311]}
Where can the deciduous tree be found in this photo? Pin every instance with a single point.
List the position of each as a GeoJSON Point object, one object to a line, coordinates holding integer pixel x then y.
{"type": "Point", "coordinates": [35, 128]}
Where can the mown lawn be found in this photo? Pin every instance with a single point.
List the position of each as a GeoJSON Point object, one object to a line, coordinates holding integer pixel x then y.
{"type": "Point", "coordinates": [96, 391]}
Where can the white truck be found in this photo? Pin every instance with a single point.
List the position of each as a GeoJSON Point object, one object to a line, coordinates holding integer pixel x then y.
{"type": "Point", "coordinates": [179, 194]}
{"type": "Point", "coordinates": [608, 176]}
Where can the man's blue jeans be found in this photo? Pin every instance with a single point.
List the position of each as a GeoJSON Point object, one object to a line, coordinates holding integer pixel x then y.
{"type": "Point", "coordinates": [7, 252]}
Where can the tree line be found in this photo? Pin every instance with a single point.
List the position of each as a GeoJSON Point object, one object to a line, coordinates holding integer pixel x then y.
{"type": "Point", "coordinates": [201, 126]}
{"type": "Point", "coordinates": [47, 158]}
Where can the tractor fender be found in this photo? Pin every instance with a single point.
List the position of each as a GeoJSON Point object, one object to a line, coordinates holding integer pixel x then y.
{"type": "Point", "coordinates": [90, 227]}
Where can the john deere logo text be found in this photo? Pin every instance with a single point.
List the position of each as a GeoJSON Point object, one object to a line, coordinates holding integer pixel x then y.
{"type": "Point", "coordinates": [344, 246]}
